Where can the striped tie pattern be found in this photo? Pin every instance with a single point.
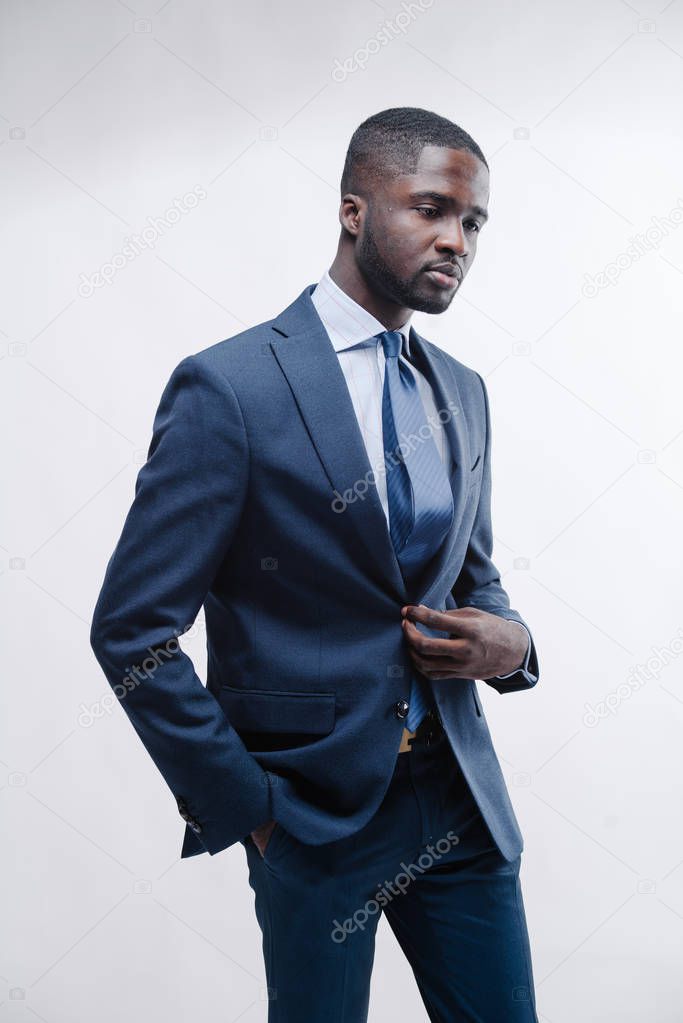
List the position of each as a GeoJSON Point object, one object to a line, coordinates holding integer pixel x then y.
{"type": "Point", "coordinates": [418, 491]}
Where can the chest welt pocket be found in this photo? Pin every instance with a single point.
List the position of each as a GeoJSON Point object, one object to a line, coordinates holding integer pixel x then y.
{"type": "Point", "coordinates": [267, 710]}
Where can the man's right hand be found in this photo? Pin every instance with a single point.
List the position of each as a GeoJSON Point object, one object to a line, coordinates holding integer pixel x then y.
{"type": "Point", "coordinates": [261, 835]}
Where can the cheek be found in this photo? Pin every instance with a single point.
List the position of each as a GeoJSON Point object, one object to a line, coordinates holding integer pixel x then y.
{"type": "Point", "coordinates": [473, 248]}
{"type": "Point", "coordinates": [400, 240]}
{"type": "Point", "coordinates": [408, 230]}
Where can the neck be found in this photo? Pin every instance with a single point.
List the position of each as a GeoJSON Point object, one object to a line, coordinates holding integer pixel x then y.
{"type": "Point", "coordinates": [346, 275]}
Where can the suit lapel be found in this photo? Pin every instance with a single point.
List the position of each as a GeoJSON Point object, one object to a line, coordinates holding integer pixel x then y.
{"type": "Point", "coordinates": [435, 367]}
{"type": "Point", "coordinates": [309, 362]}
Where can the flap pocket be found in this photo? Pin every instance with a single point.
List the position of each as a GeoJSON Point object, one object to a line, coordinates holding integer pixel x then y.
{"type": "Point", "coordinates": [267, 710]}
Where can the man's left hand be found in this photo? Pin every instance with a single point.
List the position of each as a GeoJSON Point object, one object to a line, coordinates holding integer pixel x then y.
{"type": "Point", "coordinates": [481, 645]}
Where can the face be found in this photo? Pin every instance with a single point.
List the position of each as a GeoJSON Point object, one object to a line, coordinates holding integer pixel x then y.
{"type": "Point", "coordinates": [416, 222]}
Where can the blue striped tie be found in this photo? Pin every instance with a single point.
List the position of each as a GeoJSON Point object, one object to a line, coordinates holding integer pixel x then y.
{"type": "Point", "coordinates": [418, 491]}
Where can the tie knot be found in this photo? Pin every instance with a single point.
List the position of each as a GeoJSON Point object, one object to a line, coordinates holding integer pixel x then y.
{"type": "Point", "coordinates": [391, 343]}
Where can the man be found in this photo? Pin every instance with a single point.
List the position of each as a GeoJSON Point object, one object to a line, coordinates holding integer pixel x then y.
{"type": "Point", "coordinates": [321, 484]}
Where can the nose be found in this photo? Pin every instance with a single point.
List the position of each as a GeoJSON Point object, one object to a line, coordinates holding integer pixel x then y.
{"type": "Point", "coordinates": [453, 238]}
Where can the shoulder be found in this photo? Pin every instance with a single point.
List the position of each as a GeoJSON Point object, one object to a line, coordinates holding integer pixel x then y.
{"type": "Point", "coordinates": [240, 353]}
{"type": "Point", "coordinates": [228, 364]}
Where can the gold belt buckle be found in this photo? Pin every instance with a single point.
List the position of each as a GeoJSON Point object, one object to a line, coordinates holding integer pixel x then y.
{"type": "Point", "coordinates": [405, 746]}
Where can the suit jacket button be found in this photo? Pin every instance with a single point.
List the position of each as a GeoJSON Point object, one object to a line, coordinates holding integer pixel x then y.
{"type": "Point", "coordinates": [195, 827]}
{"type": "Point", "coordinates": [402, 708]}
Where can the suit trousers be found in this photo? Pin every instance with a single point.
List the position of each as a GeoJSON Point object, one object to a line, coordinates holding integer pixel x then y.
{"type": "Point", "coordinates": [426, 860]}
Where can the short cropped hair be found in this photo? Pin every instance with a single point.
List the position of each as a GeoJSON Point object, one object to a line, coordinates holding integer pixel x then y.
{"type": "Point", "coordinates": [390, 142]}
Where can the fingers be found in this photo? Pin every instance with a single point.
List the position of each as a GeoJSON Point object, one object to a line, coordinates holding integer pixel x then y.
{"type": "Point", "coordinates": [449, 657]}
{"type": "Point", "coordinates": [441, 669]}
{"type": "Point", "coordinates": [454, 622]}
{"type": "Point", "coordinates": [431, 646]}
{"type": "Point", "coordinates": [436, 657]}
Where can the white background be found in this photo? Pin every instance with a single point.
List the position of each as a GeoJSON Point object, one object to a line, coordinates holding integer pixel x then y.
{"type": "Point", "coordinates": [109, 112]}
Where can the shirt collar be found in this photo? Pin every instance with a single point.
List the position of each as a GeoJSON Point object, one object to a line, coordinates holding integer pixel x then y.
{"type": "Point", "coordinates": [347, 322]}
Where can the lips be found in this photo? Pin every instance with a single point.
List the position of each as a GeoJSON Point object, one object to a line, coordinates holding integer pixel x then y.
{"type": "Point", "coordinates": [450, 269]}
{"type": "Point", "coordinates": [447, 275]}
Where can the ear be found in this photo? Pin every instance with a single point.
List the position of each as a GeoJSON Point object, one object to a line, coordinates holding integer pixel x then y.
{"type": "Point", "coordinates": [351, 210]}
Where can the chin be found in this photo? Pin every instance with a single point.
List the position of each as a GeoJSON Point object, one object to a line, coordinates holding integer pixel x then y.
{"type": "Point", "coordinates": [431, 303]}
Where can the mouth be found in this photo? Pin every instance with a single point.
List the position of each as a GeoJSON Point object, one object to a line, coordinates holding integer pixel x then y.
{"type": "Point", "coordinates": [448, 275]}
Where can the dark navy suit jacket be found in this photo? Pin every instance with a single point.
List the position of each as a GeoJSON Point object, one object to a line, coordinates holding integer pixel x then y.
{"type": "Point", "coordinates": [254, 503]}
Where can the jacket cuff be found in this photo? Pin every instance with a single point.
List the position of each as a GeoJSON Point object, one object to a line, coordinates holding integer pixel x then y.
{"type": "Point", "coordinates": [215, 834]}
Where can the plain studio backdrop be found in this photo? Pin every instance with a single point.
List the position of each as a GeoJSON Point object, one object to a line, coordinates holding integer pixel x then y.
{"type": "Point", "coordinates": [169, 175]}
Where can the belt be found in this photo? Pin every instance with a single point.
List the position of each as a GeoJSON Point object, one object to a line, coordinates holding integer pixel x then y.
{"type": "Point", "coordinates": [428, 729]}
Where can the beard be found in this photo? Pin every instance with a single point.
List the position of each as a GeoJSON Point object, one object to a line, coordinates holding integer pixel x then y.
{"type": "Point", "coordinates": [412, 292]}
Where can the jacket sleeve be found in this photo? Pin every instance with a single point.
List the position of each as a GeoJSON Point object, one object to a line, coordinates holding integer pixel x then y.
{"type": "Point", "coordinates": [188, 500]}
{"type": "Point", "coordinates": [478, 584]}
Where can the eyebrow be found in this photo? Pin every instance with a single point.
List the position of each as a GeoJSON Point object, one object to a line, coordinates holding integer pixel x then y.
{"type": "Point", "coordinates": [440, 197]}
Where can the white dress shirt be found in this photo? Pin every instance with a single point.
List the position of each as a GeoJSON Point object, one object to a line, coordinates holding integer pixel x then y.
{"type": "Point", "coordinates": [350, 328]}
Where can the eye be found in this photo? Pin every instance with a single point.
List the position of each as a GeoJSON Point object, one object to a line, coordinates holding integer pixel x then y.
{"type": "Point", "coordinates": [427, 210]}
{"type": "Point", "coordinates": [473, 225]}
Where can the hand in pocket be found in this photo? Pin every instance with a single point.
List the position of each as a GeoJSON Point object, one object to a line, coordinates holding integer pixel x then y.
{"type": "Point", "coordinates": [261, 835]}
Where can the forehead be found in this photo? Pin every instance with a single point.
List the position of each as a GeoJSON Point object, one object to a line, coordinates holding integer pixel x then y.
{"type": "Point", "coordinates": [456, 173]}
